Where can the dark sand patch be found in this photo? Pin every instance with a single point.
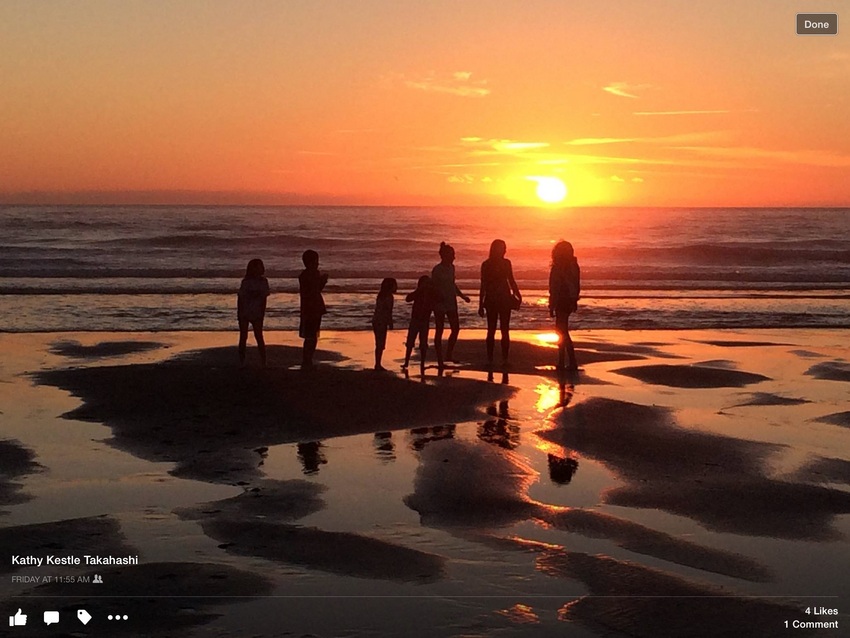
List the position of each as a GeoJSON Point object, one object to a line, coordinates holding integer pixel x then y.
{"type": "Point", "coordinates": [741, 344]}
{"type": "Point", "coordinates": [76, 350]}
{"type": "Point", "coordinates": [620, 604]}
{"type": "Point", "coordinates": [691, 376]}
{"type": "Point", "coordinates": [251, 524]}
{"type": "Point", "coordinates": [643, 540]}
{"type": "Point", "coordinates": [830, 371]}
{"type": "Point", "coordinates": [277, 356]}
{"type": "Point", "coordinates": [159, 598]}
{"type": "Point", "coordinates": [469, 486]}
{"type": "Point", "coordinates": [716, 480]}
{"type": "Point", "coordinates": [267, 499]}
{"type": "Point", "coordinates": [209, 420]}
{"type": "Point", "coordinates": [806, 354]}
{"type": "Point", "coordinates": [825, 470]}
{"type": "Point", "coordinates": [342, 553]}
{"type": "Point", "coordinates": [838, 418]}
{"type": "Point", "coordinates": [528, 358]}
{"type": "Point", "coordinates": [16, 461]}
{"type": "Point", "coordinates": [467, 483]}
{"type": "Point", "coordinates": [78, 536]}
{"type": "Point", "coordinates": [766, 398]}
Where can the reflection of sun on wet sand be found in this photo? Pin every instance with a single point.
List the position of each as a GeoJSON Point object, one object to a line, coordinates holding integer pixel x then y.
{"type": "Point", "coordinates": [487, 477]}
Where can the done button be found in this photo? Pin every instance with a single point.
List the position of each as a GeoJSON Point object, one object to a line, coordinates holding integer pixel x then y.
{"type": "Point", "coordinates": [817, 23]}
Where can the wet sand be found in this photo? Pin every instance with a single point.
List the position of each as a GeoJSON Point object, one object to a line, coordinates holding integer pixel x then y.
{"type": "Point", "coordinates": [686, 492]}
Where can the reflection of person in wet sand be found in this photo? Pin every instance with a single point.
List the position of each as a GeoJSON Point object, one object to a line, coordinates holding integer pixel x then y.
{"type": "Point", "coordinates": [499, 430]}
{"type": "Point", "coordinates": [424, 299]}
{"type": "Point", "coordinates": [382, 319]}
{"type": "Point", "coordinates": [499, 295]}
{"type": "Point", "coordinates": [311, 456]}
{"type": "Point", "coordinates": [311, 282]}
{"type": "Point", "coordinates": [251, 307]}
{"type": "Point", "coordinates": [564, 290]}
{"type": "Point", "coordinates": [443, 277]}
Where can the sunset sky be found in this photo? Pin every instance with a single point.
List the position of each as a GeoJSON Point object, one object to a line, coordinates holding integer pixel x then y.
{"type": "Point", "coordinates": [433, 102]}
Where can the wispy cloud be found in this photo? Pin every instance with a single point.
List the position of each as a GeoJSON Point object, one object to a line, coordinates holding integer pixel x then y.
{"type": "Point", "coordinates": [459, 83]}
{"type": "Point", "coordinates": [682, 138]}
{"type": "Point", "coordinates": [496, 146]}
{"type": "Point", "coordinates": [624, 89]}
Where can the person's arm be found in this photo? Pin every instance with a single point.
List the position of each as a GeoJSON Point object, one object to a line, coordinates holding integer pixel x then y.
{"type": "Point", "coordinates": [460, 294]}
{"type": "Point", "coordinates": [578, 281]}
{"type": "Point", "coordinates": [411, 296]}
{"type": "Point", "coordinates": [481, 294]}
{"type": "Point", "coordinates": [512, 281]}
{"type": "Point", "coordinates": [553, 292]}
{"type": "Point", "coordinates": [323, 279]}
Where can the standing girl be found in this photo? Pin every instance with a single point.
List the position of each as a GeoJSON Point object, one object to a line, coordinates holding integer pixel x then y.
{"type": "Point", "coordinates": [564, 290]}
{"type": "Point", "coordinates": [443, 277]}
{"type": "Point", "coordinates": [499, 295]}
{"type": "Point", "coordinates": [382, 320]}
{"type": "Point", "coordinates": [251, 307]}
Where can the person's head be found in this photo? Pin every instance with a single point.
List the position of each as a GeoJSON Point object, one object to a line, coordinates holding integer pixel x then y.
{"type": "Point", "coordinates": [255, 268]}
{"type": "Point", "coordinates": [389, 286]}
{"type": "Point", "coordinates": [447, 252]}
{"type": "Point", "coordinates": [310, 259]}
{"type": "Point", "coordinates": [424, 282]}
{"type": "Point", "coordinates": [498, 249]}
{"type": "Point", "coordinates": [562, 253]}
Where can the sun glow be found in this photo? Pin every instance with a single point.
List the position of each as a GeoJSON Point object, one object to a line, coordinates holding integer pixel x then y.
{"type": "Point", "coordinates": [550, 189]}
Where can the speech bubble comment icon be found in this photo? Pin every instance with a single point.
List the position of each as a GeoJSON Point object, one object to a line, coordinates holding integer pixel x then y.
{"type": "Point", "coordinates": [51, 617]}
{"type": "Point", "coordinates": [83, 616]}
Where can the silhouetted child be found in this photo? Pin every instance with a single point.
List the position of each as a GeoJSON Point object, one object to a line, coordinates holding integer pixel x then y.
{"type": "Point", "coordinates": [424, 298]}
{"type": "Point", "coordinates": [311, 282]}
{"type": "Point", "coordinates": [564, 291]}
{"type": "Point", "coordinates": [251, 307]}
{"type": "Point", "coordinates": [382, 319]}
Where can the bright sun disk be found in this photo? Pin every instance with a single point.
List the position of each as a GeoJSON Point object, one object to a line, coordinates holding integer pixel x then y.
{"type": "Point", "coordinates": [550, 189]}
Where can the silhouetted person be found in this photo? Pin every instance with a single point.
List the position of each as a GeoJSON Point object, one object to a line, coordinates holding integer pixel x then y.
{"type": "Point", "coordinates": [251, 307]}
{"type": "Point", "coordinates": [311, 456]}
{"type": "Point", "coordinates": [499, 295]}
{"type": "Point", "coordinates": [564, 290]}
{"type": "Point", "coordinates": [499, 430]}
{"type": "Point", "coordinates": [384, 446]}
{"type": "Point", "coordinates": [311, 282]}
{"type": "Point", "coordinates": [420, 437]}
{"type": "Point", "coordinates": [443, 277]}
{"type": "Point", "coordinates": [424, 299]}
{"type": "Point", "coordinates": [382, 319]}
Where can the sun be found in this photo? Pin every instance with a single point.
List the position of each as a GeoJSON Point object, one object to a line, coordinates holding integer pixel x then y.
{"type": "Point", "coordinates": [550, 189]}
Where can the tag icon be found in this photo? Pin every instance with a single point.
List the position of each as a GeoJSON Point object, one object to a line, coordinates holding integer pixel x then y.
{"type": "Point", "coordinates": [83, 616]}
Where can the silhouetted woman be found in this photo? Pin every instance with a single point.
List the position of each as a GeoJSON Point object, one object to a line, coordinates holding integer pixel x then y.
{"type": "Point", "coordinates": [443, 278]}
{"type": "Point", "coordinates": [499, 294]}
{"type": "Point", "coordinates": [564, 290]}
{"type": "Point", "coordinates": [251, 307]}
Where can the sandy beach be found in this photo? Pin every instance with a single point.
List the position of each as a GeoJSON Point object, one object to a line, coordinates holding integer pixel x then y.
{"type": "Point", "coordinates": [682, 483]}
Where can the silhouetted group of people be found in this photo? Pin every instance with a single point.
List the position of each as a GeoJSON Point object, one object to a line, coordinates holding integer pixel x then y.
{"type": "Point", "coordinates": [435, 294]}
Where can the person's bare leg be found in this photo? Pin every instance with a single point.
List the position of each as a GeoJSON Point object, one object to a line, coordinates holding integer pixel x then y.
{"type": "Point", "coordinates": [571, 351]}
{"type": "Point", "coordinates": [310, 346]}
{"type": "Point", "coordinates": [454, 324]}
{"type": "Point", "coordinates": [505, 324]}
{"type": "Point", "coordinates": [439, 321]}
{"type": "Point", "coordinates": [243, 341]}
{"type": "Point", "coordinates": [492, 318]}
{"type": "Point", "coordinates": [261, 342]}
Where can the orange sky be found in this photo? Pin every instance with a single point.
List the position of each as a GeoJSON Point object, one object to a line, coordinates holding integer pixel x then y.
{"type": "Point", "coordinates": [437, 102]}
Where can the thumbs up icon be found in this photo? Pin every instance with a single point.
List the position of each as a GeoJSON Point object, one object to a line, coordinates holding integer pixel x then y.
{"type": "Point", "coordinates": [18, 620]}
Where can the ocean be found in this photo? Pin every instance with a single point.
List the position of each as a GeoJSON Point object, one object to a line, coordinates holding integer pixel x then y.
{"type": "Point", "coordinates": [157, 268]}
